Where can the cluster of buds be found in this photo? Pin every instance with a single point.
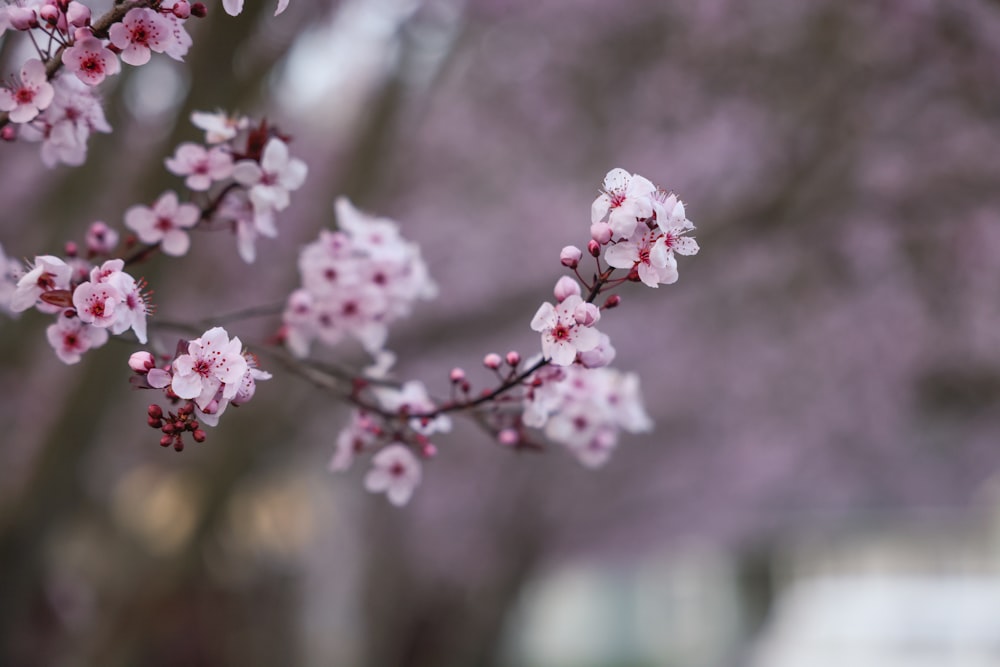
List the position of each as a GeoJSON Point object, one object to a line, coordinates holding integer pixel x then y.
{"type": "Point", "coordinates": [174, 425]}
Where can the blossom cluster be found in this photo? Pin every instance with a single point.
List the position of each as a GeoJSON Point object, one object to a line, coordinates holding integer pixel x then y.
{"type": "Point", "coordinates": [53, 101]}
{"type": "Point", "coordinates": [396, 468]}
{"type": "Point", "coordinates": [89, 302]}
{"type": "Point", "coordinates": [640, 227]}
{"type": "Point", "coordinates": [356, 281]}
{"type": "Point", "coordinates": [245, 172]}
{"type": "Point", "coordinates": [208, 374]}
{"type": "Point", "coordinates": [585, 409]}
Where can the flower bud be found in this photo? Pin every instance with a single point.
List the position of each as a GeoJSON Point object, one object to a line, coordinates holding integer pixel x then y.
{"type": "Point", "coordinates": [49, 13]}
{"type": "Point", "coordinates": [513, 358]}
{"type": "Point", "coordinates": [78, 14]}
{"type": "Point", "coordinates": [565, 288]}
{"type": "Point", "coordinates": [600, 232]}
{"type": "Point", "coordinates": [594, 248]}
{"type": "Point", "coordinates": [428, 450]}
{"type": "Point", "coordinates": [71, 249]}
{"type": "Point", "coordinates": [182, 9]}
{"type": "Point", "coordinates": [586, 314]}
{"type": "Point", "coordinates": [457, 375]}
{"type": "Point", "coordinates": [198, 435]}
{"type": "Point", "coordinates": [21, 18]}
{"type": "Point", "coordinates": [101, 239]}
{"type": "Point", "coordinates": [570, 256]}
{"type": "Point", "coordinates": [166, 440]}
{"type": "Point", "coordinates": [492, 361]}
{"type": "Point", "coordinates": [141, 362]}
{"type": "Point", "coordinates": [8, 133]}
{"type": "Point", "coordinates": [612, 301]}
{"type": "Point", "coordinates": [199, 10]}
{"type": "Point", "coordinates": [509, 437]}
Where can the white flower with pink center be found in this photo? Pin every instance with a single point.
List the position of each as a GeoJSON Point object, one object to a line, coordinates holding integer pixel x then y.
{"type": "Point", "coordinates": [25, 99]}
{"type": "Point", "coordinates": [48, 273]}
{"type": "Point", "coordinates": [213, 364]}
{"type": "Point", "coordinates": [91, 61]}
{"type": "Point", "coordinates": [165, 223]}
{"type": "Point", "coordinates": [624, 199]}
{"type": "Point", "coordinates": [202, 167]}
{"type": "Point", "coordinates": [95, 303]}
{"type": "Point", "coordinates": [639, 252]}
{"type": "Point", "coordinates": [270, 181]}
{"type": "Point", "coordinates": [672, 221]}
{"type": "Point", "coordinates": [395, 472]}
{"type": "Point", "coordinates": [70, 338]}
{"type": "Point", "coordinates": [141, 32]}
{"type": "Point", "coordinates": [218, 126]}
{"type": "Point", "coordinates": [563, 336]}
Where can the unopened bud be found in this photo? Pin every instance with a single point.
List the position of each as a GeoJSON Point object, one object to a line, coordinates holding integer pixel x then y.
{"type": "Point", "coordinates": [198, 435]}
{"type": "Point", "coordinates": [71, 249]}
{"type": "Point", "coordinates": [429, 450]}
{"type": "Point", "coordinates": [182, 9]}
{"type": "Point", "coordinates": [600, 232]}
{"type": "Point", "coordinates": [457, 375]}
{"type": "Point", "coordinates": [509, 437]}
{"type": "Point", "coordinates": [570, 256]}
{"type": "Point", "coordinates": [101, 239]}
{"type": "Point", "coordinates": [199, 10]}
{"type": "Point", "coordinates": [492, 361]}
{"type": "Point", "coordinates": [586, 314]}
{"type": "Point", "coordinates": [513, 358]}
{"type": "Point", "coordinates": [565, 288]}
{"type": "Point", "coordinates": [49, 13]}
{"type": "Point", "coordinates": [594, 248]}
{"type": "Point", "coordinates": [78, 14]}
{"type": "Point", "coordinates": [166, 440]}
{"type": "Point", "coordinates": [612, 301]}
{"type": "Point", "coordinates": [8, 133]}
{"type": "Point", "coordinates": [141, 362]}
{"type": "Point", "coordinates": [21, 18]}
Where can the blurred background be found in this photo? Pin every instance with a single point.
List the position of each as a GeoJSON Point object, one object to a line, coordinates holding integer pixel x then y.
{"type": "Point", "coordinates": [822, 484]}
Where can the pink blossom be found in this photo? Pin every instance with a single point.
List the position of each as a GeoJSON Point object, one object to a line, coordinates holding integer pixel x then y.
{"type": "Point", "coordinates": [395, 472]}
{"type": "Point", "coordinates": [624, 198]}
{"type": "Point", "coordinates": [213, 363]}
{"type": "Point", "coordinates": [70, 338]}
{"type": "Point", "coordinates": [201, 166]}
{"type": "Point", "coordinates": [141, 32]}
{"type": "Point", "coordinates": [95, 303]}
{"type": "Point", "coordinates": [66, 124]}
{"type": "Point", "coordinates": [33, 94]}
{"type": "Point", "coordinates": [100, 238]}
{"type": "Point", "coordinates": [218, 126]}
{"type": "Point", "coordinates": [654, 268]}
{"type": "Point", "coordinates": [91, 61]}
{"type": "Point", "coordinates": [270, 181]}
{"type": "Point", "coordinates": [165, 223]}
{"type": "Point", "coordinates": [562, 335]}
{"type": "Point", "coordinates": [48, 273]}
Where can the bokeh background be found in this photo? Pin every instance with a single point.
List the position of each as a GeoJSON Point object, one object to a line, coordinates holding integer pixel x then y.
{"type": "Point", "coordinates": [822, 484]}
